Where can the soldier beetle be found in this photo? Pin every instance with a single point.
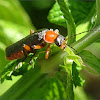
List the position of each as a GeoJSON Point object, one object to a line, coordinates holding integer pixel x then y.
{"type": "Point", "coordinates": [34, 41]}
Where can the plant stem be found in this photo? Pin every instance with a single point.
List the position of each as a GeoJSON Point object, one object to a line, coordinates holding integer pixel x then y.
{"type": "Point", "coordinates": [97, 12]}
{"type": "Point", "coordinates": [69, 20]}
{"type": "Point", "coordinates": [69, 86]}
{"type": "Point", "coordinates": [88, 39]}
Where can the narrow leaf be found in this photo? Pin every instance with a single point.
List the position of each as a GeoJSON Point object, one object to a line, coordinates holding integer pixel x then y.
{"type": "Point", "coordinates": [91, 60]}
{"type": "Point", "coordinates": [77, 80]}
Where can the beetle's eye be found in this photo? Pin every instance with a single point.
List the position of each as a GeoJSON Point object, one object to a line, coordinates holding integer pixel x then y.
{"type": "Point", "coordinates": [59, 40]}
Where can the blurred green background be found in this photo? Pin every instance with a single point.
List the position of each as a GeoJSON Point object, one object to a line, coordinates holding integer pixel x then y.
{"type": "Point", "coordinates": [17, 17]}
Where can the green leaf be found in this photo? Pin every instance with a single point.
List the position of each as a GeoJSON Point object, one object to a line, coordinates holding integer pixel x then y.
{"type": "Point", "coordinates": [72, 71]}
{"type": "Point", "coordinates": [91, 60]}
{"type": "Point", "coordinates": [77, 59]}
{"type": "Point", "coordinates": [81, 10]}
{"type": "Point", "coordinates": [56, 16]}
{"type": "Point", "coordinates": [56, 90]}
{"type": "Point", "coordinates": [8, 70]}
{"type": "Point", "coordinates": [77, 80]}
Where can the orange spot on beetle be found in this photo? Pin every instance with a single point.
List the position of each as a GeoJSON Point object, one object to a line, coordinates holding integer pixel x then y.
{"type": "Point", "coordinates": [50, 36]}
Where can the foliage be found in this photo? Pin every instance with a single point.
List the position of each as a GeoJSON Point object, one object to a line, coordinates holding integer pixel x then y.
{"type": "Point", "coordinates": [56, 77]}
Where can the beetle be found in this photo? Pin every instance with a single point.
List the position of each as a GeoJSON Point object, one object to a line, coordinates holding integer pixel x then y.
{"type": "Point", "coordinates": [36, 40]}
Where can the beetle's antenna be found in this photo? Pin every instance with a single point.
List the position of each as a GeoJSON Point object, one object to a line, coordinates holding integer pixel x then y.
{"type": "Point", "coordinates": [77, 52]}
{"type": "Point", "coordinates": [80, 33]}
{"type": "Point", "coordinates": [75, 35]}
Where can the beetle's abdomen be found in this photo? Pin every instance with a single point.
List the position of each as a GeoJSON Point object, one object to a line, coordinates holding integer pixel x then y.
{"type": "Point", "coordinates": [16, 55]}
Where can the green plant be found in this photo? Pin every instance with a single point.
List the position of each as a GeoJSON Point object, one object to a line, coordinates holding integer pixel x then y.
{"type": "Point", "coordinates": [56, 77]}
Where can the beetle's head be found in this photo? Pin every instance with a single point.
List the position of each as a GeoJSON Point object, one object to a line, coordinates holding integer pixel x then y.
{"type": "Point", "coordinates": [60, 41]}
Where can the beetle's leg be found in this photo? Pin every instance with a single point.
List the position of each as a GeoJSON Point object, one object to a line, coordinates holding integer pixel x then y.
{"type": "Point", "coordinates": [39, 46]}
{"type": "Point", "coordinates": [26, 50]}
{"type": "Point", "coordinates": [31, 31]}
{"type": "Point", "coordinates": [63, 45]}
{"type": "Point", "coordinates": [47, 52]}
